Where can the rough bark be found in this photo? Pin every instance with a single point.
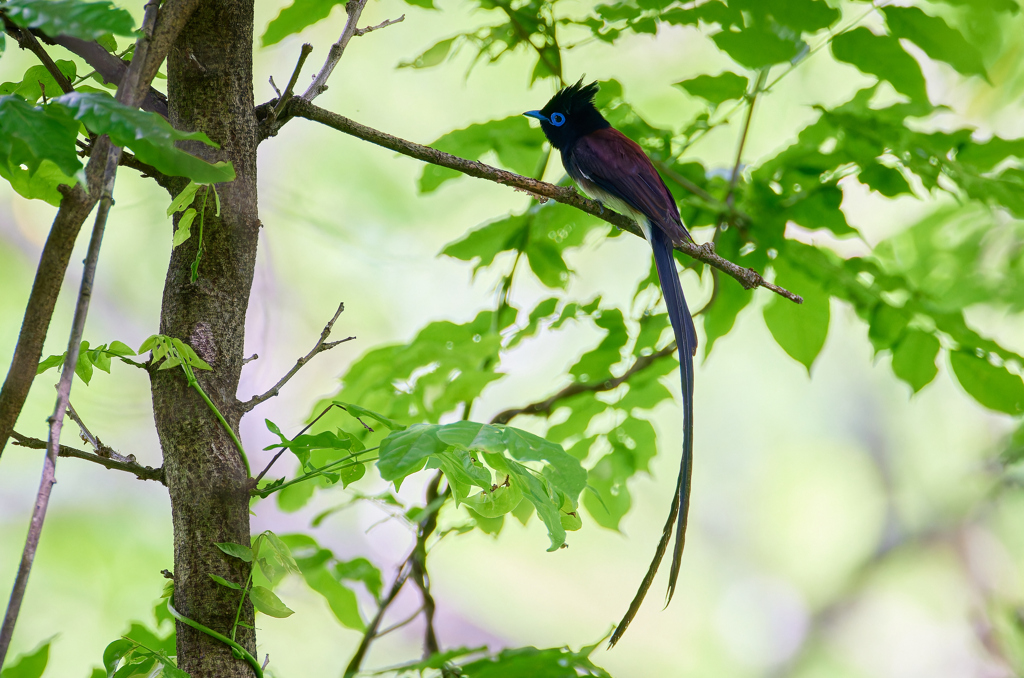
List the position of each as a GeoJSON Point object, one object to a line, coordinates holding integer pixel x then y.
{"type": "Point", "coordinates": [209, 73]}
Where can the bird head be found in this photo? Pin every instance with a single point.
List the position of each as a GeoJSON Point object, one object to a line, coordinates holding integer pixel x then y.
{"type": "Point", "coordinates": [570, 115]}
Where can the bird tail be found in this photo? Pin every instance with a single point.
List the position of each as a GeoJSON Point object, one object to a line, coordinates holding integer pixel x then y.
{"type": "Point", "coordinates": [686, 341]}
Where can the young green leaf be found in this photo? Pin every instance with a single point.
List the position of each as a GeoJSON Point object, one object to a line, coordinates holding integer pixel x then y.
{"type": "Point", "coordinates": [224, 582]}
{"type": "Point", "coordinates": [236, 550]}
{"type": "Point", "coordinates": [295, 17]}
{"type": "Point", "coordinates": [29, 665]}
{"type": "Point", "coordinates": [75, 18]}
{"type": "Point", "coordinates": [716, 89]}
{"type": "Point", "coordinates": [267, 602]}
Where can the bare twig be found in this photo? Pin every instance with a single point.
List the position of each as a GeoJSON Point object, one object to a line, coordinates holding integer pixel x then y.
{"type": "Point", "coordinates": [116, 463]}
{"type": "Point", "coordinates": [354, 9]}
{"type": "Point", "coordinates": [382, 24]}
{"type": "Point", "coordinates": [545, 406]}
{"type": "Point", "coordinates": [290, 89]}
{"type": "Point", "coordinates": [321, 346]}
{"type": "Point", "coordinates": [130, 92]}
{"type": "Point", "coordinates": [747, 277]}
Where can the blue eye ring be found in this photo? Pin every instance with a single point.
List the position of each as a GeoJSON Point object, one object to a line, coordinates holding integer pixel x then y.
{"type": "Point", "coordinates": [557, 119]}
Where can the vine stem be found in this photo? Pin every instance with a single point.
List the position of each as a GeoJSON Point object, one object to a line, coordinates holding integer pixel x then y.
{"type": "Point", "coordinates": [219, 636]}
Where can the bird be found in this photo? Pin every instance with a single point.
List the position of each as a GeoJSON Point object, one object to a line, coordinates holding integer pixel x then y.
{"type": "Point", "coordinates": [612, 168]}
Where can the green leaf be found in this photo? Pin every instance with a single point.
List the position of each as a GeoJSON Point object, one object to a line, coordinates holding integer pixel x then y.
{"type": "Point", "coordinates": [38, 185]}
{"type": "Point", "coordinates": [720, 317]}
{"type": "Point", "coordinates": [340, 598]}
{"type": "Point", "coordinates": [595, 365]}
{"type": "Point", "coordinates": [224, 582]}
{"type": "Point", "coordinates": [800, 329]}
{"type": "Point", "coordinates": [75, 18]}
{"type": "Point", "coordinates": [759, 46]}
{"type": "Point", "coordinates": [184, 230]}
{"type": "Point", "coordinates": [357, 411]}
{"type": "Point", "coordinates": [120, 349]}
{"type": "Point", "coordinates": [267, 602]}
{"type": "Point", "coordinates": [29, 665]}
{"type": "Point", "coordinates": [432, 57]}
{"type": "Point", "coordinates": [405, 452]}
{"type": "Point", "coordinates": [562, 469]}
{"type": "Point", "coordinates": [52, 361]}
{"type": "Point", "coordinates": [886, 180]}
{"type": "Point", "coordinates": [38, 81]}
{"type": "Point", "coordinates": [183, 199]}
{"type": "Point", "coordinates": [361, 569]}
{"type": "Point", "coordinates": [236, 550]}
{"type": "Point", "coordinates": [114, 652]}
{"type": "Point", "coordinates": [537, 493]}
{"type": "Point", "coordinates": [529, 661]}
{"type": "Point", "coordinates": [608, 480]}
{"type": "Point", "coordinates": [716, 88]}
{"type": "Point", "coordinates": [913, 359]}
{"type": "Point", "coordinates": [935, 38]}
{"type": "Point", "coordinates": [994, 387]}
{"type": "Point", "coordinates": [883, 57]}
{"type": "Point", "coordinates": [150, 136]}
{"type": "Point", "coordinates": [295, 17]}
{"type": "Point", "coordinates": [29, 135]}
{"type": "Point", "coordinates": [495, 503]}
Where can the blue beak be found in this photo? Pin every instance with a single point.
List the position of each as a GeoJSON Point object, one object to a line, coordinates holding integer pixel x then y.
{"type": "Point", "coordinates": [536, 114]}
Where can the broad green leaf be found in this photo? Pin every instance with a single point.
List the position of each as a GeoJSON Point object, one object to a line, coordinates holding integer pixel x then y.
{"type": "Point", "coordinates": [608, 479]}
{"type": "Point", "coordinates": [994, 387]}
{"type": "Point", "coordinates": [432, 57]}
{"type": "Point", "coordinates": [339, 597]}
{"type": "Point", "coordinates": [404, 452]}
{"type": "Point", "coordinates": [361, 569]}
{"type": "Point", "coordinates": [720, 316]}
{"type": "Point", "coordinates": [935, 38]}
{"type": "Point", "coordinates": [29, 665]}
{"type": "Point", "coordinates": [37, 82]}
{"type": "Point", "coordinates": [357, 411]}
{"type": "Point", "coordinates": [563, 470]}
{"type": "Point", "coordinates": [462, 472]}
{"type": "Point", "coordinates": [183, 199]}
{"type": "Point", "coordinates": [75, 18]}
{"type": "Point", "coordinates": [800, 329]}
{"type": "Point", "coordinates": [883, 57]}
{"type": "Point", "coordinates": [495, 503]}
{"type": "Point", "coordinates": [150, 136]}
{"type": "Point", "coordinates": [595, 365]}
{"type": "Point", "coordinates": [114, 652]}
{"type": "Point", "coordinates": [759, 46]}
{"type": "Point", "coordinates": [886, 180]}
{"type": "Point", "coordinates": [716, 88]}
{"type": "Point", "coordinates": [38, 185]}
{"type": "Point", "coordinates": [295, 17]}
{"type": "Point", "coordinates": [529, 661]}
{"type": "Point", "coordinates": [913, 359]}
{"type": "Point", "coordinates": [120, 349]}
{"type": "Point", "coordinates": [887, 325]}
{"type": "Point", "coordinates": [29, 135]}
{"type": "Point", "coordinates": [224, 582]}
{"type": "Point", "coordinates": [536, 492]}
{"type": "Point", "coordinates": [819, 208]}
{"type": "Point", "coordinates": [236, 550]}
{"type": "Point", "coordinates": [267, 602]}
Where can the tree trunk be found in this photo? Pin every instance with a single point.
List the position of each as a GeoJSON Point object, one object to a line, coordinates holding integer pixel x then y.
{"type": "Point", "coordinates": [209, 71]}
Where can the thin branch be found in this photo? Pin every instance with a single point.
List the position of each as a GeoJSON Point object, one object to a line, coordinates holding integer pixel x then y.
{"type": "Point", "coordinates": [371, 629]}
{"type": "Point", "coordinates": [321, 346]}
{"type": "Point", "coordinates": [418, 560]}
{"type": "Point", "coordinates": [126, 464]}
{"type": "Point", "coordinates": [354, 9]}
{"type": "Point", "coordinates": [730, 195]}
{"type": "Point", "coordinates": [382, 24]}
{"type": "Point", "coordinates": [290, 89]}
{"type": "Point", "coordinates": [747, 277]}
{"type": "Point", "coordinates": [28, 41]}
{"type": "Point", "coordinates": [545, 407]}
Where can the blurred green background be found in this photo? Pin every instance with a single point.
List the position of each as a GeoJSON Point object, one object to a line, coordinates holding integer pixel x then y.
{"type": "Point", "coordinates": [839, 526]}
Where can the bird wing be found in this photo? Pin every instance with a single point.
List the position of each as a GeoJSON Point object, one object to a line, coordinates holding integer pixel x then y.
{"type": "Point", "coordinates": [617, 165]}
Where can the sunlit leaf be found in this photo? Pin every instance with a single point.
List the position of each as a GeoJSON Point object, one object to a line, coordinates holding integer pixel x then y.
{"type": "Point", "coordinates": [994, 387]}
{"type": "Point", "coordinates": [75, 18]}
{"type": "Point", "coordinates": [295, 17]}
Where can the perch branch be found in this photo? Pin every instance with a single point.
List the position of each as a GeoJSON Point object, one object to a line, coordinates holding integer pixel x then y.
{"type": "Point", "coordinates": [321, 346]}
{"type": "Point", "coordinates": [354, 9]}
{"type": "Point", "coordinates": [747, 277]}
{"type": "Point", "coordinates": [382, 24]}
{"type": "Point", "coordinates": [28, 41]}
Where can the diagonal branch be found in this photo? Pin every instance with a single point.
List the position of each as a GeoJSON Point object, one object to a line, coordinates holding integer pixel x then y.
{"type": "Point", "coordinates": [118, 463]}
{"type": "Point", "coordinates": [747, 277]}
{"type": "Point", "coordinates": [546, 406]}
{"type": "Point", "coordinates": [321, 346]}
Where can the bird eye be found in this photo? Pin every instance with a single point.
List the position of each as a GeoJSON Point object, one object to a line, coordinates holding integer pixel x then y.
{"type": "Point", "coordinates": [557, 119]}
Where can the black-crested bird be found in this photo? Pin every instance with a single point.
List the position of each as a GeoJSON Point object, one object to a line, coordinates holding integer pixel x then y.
{"type": "Point", "coordinates": [612, 168]}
